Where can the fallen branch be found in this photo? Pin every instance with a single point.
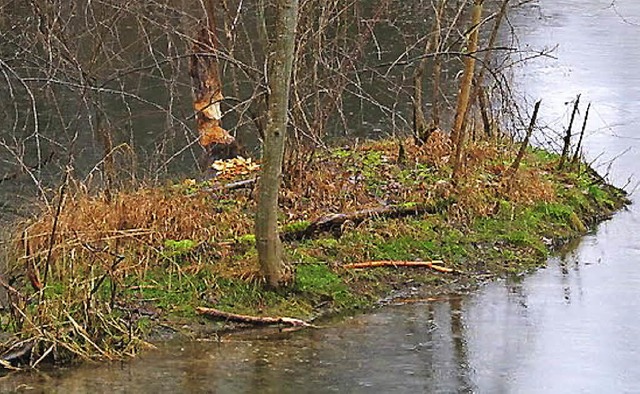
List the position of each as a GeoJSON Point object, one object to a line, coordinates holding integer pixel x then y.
{"type": "Point", "coordinates": [435, 265]}
{"type": "Point", "coordinates": [334, 222]}
{"type": "Point", "coordinates": [237, 185]}
{"type": "Point", "coordinates": [255, 320]}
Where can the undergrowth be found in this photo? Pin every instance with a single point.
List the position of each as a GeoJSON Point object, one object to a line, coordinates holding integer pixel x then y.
{"type": "Point", "coordinates": [119, 264]}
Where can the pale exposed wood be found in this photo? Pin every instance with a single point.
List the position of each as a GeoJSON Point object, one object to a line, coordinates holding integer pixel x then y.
{"type": "Point", "coordinates": [254, 320]}
{"type": "Point", "coordinates": [207, 85]}
{"type": "Point", "coordinates": [436, 265]}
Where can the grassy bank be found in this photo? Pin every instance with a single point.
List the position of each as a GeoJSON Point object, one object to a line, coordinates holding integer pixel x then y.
{"type": "Point", "coordinates": [124, 265]}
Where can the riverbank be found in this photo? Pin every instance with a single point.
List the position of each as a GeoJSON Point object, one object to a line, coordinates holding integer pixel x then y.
{"type": "Point", "coordinates": [137, 264]}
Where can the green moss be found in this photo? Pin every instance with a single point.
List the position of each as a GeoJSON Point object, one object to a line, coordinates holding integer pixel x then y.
{"type": "Point", "coordinates": [173, 248]}
{"type": "Point", "coordinates": [299, 225]}
{"type": "Point", "coordinates": [318, 278]}
{"type": "Point", "coordinates": [247, 239]}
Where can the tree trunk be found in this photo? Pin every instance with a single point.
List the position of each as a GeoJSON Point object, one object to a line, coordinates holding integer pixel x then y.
{"type": "Point", "coordinates": [457, 134]}
{"type": "Point", "coordinates": [207, 88]}
{"type": "Point", "coordinates": [279, 66]}
{"type": "Point", "coordinates": [437, 66]}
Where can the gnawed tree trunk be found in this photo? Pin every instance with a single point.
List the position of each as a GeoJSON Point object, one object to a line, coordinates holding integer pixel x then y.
{"type": "Point", "coordinates": [279, 66]}
{"type": "Point", "coordinates": [207, 88]}
{"type": "Point", "coordinates": [458, 132]}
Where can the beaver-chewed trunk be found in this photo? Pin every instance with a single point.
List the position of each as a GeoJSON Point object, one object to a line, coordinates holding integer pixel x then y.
{"type": "Point", "coordinates": [207, 89]}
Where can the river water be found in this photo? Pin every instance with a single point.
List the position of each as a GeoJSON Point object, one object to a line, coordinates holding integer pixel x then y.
{"type": "Point", "coordinates": [572, 327]}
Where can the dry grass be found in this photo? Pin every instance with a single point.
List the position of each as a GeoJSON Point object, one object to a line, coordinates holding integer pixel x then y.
{"type": "Point", "coordinates": [100, 243]}
{"type": "Point", "coordinates": [137, 223]}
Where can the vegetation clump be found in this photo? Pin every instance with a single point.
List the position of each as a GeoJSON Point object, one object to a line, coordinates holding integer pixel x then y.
{"type": "Point", "coordinates": [94, 277]}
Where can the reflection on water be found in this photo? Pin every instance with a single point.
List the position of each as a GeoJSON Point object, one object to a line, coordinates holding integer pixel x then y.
{"type": "Point", "coordinates": [573, 327]}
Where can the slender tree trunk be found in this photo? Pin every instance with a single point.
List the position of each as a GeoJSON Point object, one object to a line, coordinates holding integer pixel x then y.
{"type": "Point", "coordinates": [437, 67]}
{"type": "Point", "coordinates": [419, 122]}
{"type": "Point", "coordinates": [279, 66]}
{"type": "Point", "coordinates": [567, 137]}
{"type": "Point", "coordinates": [457, 134]}
{"type": "Point", "coordinates": [523, 148]}
{"type": "Point", "coordinates": [478, 93]}
{"type": "Point", "coordinates": [421, 129]}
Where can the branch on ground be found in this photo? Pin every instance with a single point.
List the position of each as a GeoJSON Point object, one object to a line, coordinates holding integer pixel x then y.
{"type": "Point", "coordinates": [254, 320]}
{"type": "Point", "coordinates": [334, 222]}
{"type": "Point", "coordinates": [436, 265]}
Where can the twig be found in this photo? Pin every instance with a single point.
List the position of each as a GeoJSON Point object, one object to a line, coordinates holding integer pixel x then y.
{"type": "Point", "coordinates": [26, 168]}
{"type": "Point", "coordinates": [10, 289]}
{"type": "Point", "coordinates": [435, 265]}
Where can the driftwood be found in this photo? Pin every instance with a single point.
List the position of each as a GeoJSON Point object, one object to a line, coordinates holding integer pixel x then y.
{"type": "Point", "coordinates": [254, 320]}
{"type": "Point", "coordinates": [334, 222]}
{"type": "Point", "coordinates": [436, 265]}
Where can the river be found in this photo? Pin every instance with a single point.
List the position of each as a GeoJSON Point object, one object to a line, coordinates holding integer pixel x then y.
{"type": "Point", "coordinates": [572, 327]}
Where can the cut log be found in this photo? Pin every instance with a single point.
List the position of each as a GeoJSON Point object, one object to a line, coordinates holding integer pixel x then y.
{"type": "Point", "coordinates": [436, 265]}
{"type": "Point", "coordinates": [334, 222]}
{"type": "Point", "coordinates": [253, 320]}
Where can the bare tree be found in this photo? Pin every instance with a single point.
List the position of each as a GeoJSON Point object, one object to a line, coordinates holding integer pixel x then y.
{"type": "Point", "coordinates": [279, 66]}
{"type": "Point", "coordinates": [458, 132]}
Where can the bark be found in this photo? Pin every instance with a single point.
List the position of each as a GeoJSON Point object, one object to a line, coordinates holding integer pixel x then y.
{"type": "Point", "coordinates": [279, 66]}
{"type": "Point", "coordinates": [207, 88]}
{"type": "Point", "coordinates": [458, 134]}
{"type": "Point", "coordinates": [419, 121]}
